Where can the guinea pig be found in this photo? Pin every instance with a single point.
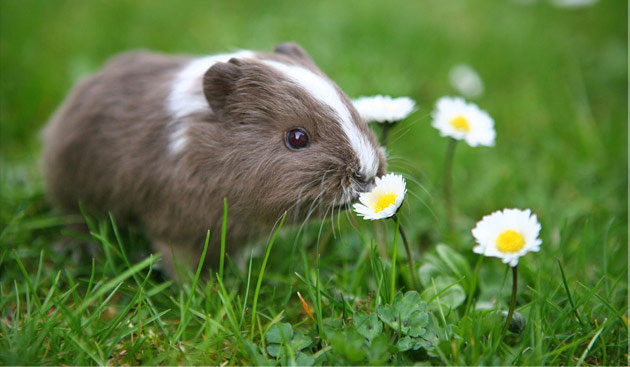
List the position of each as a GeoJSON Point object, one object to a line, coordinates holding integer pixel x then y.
{"type": "Point", "coordinates": [159, 141]}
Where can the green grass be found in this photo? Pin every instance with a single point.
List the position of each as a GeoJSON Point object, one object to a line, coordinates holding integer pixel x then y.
{"type": "Point", "coordinates": [556, 85]}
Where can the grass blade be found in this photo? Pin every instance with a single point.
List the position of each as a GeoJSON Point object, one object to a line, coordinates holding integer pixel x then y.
{"type": "Point", "coordinates": [566, 288]}
{"type": "Point", "coordinates": [223, 237]}
{"type": "Point", "coordinates": [262, 272]}
{"type": "Point", "coordinates": [184, 315]}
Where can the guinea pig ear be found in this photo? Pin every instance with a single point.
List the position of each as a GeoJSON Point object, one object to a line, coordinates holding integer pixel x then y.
{"type": "Point", "coordinates": [219, 82]}
{"type": "Point", "coordinates": [295, 51]}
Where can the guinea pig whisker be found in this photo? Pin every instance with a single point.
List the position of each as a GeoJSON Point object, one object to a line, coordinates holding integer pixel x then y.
{"type": "Point", "coordinates": [425, 204]}
{"type": "Point", "coordinates": [306, 217]}
{"type": "Point", "coordinates": [339, 209]}
{"type": "Point", "coordinates": [315, 204]}
{"type": "Point", "coordinates": [297, 204]}
{"type": "Point", "coordinates": [418, 183]}
{"type": "Point", "coordinates": [412, 177]}
{"type": "Point", "coordinates": [337, 204]}
{"type": "Point", "coordinates": [300, 200]}
{"type": "Point", "coordinates": [331, 207]}
{"type": "Point", "coordinates": [410, 124]}
{"type": "Point", "coordinates": [321, 186]}
{"type": "Point", "coordinates": [336, 221]}
{"type": "Point", "coordinates": [352, 224]}
{"type": "Point", "coordinates": [341, 204]}
{"type": "Point", "coordinates": [419, 197]}
{"type": "Point", "coordinates": [302, 225]}
{"type": "Point", "coordinates": [332, 220]}
{"type": "Point", "coordinates": [321, 227]}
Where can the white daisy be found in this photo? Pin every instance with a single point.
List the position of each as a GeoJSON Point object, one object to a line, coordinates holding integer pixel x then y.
{"type": "Point", "coordinates": [466, 80]}
{"type": "Point", "coordinates": [456, 118]}
{"type": "Point", "coordinates": [507, 234]}
{"type": "Point", "coordinates": [384, 199]}
{"type": "Point", "coordinates": [384, 108]}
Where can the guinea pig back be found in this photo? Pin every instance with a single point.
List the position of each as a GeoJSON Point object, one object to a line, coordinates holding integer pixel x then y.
{"type": "Point", "coordinates": [159, 141]}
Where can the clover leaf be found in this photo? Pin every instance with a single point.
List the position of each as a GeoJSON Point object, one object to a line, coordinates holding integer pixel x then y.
{"type": "Point", "coordinates": [367, 325]}
{"type": "Point", "coordinates": [407, 343]}
{"type": "Point", "coordinates": [279, 333]}
{"type": "Point", "coordinates": [407, 314]}
{"type": "Point", "coordinates": [281, 337]}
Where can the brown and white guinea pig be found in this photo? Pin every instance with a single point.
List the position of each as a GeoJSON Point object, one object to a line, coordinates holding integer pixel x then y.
{"type": "Point", "coordinates": [159, 141]}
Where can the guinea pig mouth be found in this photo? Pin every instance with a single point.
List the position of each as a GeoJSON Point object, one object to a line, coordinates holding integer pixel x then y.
{"type": "Point", "coordinates": [348, 199]}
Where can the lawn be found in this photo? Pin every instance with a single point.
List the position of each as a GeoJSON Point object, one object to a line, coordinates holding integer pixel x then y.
{"type": "Point", "coordinates": [556, 85]}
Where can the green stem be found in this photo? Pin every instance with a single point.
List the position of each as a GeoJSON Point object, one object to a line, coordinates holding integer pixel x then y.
{"type": "Point", "coordinates": [392, 279]}
{"type": "Point", "coordinates": [412, 264]}
{"type": "Point", "coordinates": [508, 320]}
{"type": "Point", "coordinates": [473, 285]}
{"type": "Point", "coordinates": [448, 186]}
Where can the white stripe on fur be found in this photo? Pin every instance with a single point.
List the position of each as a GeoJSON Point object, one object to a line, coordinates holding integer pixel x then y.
{"type": "Point", "coordinates": [186, 95]}
{"type": "Point", "coordinates": [322, 90]}
{"type": "Point", "coordinates": [178, 139]}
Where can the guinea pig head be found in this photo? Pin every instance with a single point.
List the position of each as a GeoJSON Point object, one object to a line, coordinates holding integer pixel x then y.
{"type": "Point", "coordinates": [291, 139]}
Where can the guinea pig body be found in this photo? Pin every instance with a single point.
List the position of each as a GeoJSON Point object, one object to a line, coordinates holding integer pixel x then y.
{"type": "Point", "coordinates": [159, 141]}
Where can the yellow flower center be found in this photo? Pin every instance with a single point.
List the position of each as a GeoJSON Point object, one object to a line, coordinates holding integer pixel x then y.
{"type": "Point", "coordinates": [510, 241]}
{"type": "Point", "coordinates": [460, 123]}
{"type": "Point", "coordinates": [384, 201]}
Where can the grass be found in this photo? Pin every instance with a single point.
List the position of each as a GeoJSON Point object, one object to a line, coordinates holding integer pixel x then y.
{"type": "Point", "coordinates": [556, 85]}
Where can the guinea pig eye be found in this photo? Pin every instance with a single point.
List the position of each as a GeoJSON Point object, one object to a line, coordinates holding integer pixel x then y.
{"type": "Point", "coordinates": [296, 139]}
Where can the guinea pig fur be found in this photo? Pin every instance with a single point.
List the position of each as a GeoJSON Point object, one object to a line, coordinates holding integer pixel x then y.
{"type": "Point", "coordinates": [159, 141]}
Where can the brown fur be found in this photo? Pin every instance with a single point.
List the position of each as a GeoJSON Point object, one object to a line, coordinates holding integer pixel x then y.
{"type": "Point", "coordinates": [107, 147]}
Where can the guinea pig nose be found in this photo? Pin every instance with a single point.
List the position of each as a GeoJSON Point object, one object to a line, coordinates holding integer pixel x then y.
{"type": "Point", "coordinates": [364, 183]}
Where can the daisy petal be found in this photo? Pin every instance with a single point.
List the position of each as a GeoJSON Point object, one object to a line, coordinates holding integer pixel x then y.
{"type": "Point", "coordinates": [384, 200]}
{"type": "Point", "coordinates": [458, 119]}
{"type": "Point", "coordinates": [384, 108]}
{"type": "Point", "coordinates": [507, 234]}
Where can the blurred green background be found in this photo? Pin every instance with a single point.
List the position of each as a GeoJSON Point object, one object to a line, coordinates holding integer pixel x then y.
{"type": "Point", "coordinates": [555, 79]}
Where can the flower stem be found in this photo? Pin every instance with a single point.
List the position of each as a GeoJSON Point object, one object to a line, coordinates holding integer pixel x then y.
{"type": "Point", "coordinates": [392, 278]}
{"type": "Point", "coordinates": [448, 189]}
{"type": "Point", "coordinates": [508, 319]}
{"type": "Point", "coordinates": [412, 264]}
